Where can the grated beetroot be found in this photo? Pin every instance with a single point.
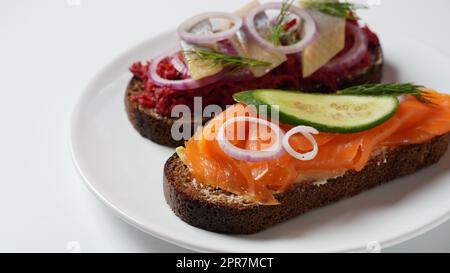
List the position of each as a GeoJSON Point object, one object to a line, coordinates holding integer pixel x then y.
{"type": "Point", "coordinates": [286, 76]}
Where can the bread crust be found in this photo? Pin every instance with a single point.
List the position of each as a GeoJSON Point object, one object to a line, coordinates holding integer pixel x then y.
{"type": "Point", "coordinates": [147, 121]}
{"type": "Point", "coordinates": [218, 211]}
{"type": "Point", "coordinates": [157, 128]}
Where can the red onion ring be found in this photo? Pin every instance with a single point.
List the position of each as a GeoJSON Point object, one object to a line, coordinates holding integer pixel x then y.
{"type": "Point", "coordinates": [226, 47]}
{"type": "Point", "coordinates": [307, 132]}
{"type": "Point", "coordinates": [186, 84]}
{"type": "Point", "coordinates": [311, 30]}
{"type": "Point", "coordinates": [179, 65]}
{"type": "Point", "coordinates": [354, 55]}
{"type": "Point", "coordinates": [268, 154]}
{"type": "Point", "coordinates": [195, 38]}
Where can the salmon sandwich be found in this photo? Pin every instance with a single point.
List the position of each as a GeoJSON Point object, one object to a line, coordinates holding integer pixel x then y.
{"type": "Point", "coordinates": [246, 171]}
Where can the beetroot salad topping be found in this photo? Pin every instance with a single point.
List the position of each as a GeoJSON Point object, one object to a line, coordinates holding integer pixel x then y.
{"type": "Point", "coordinates": [286, 76]}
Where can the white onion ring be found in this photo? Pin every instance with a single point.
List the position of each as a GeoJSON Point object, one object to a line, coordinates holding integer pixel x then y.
{"type": "Point", "coordinates": [307, 132]}
{"type": "Point", "coordinates": [354, 55]}
{"type": "Point", "coordinates": [311, 30]}
{"type": "Point", "coordinates": [186, 35]}
{"type": "Point", "coordinates": [185, 84]}
{"type": "Point", "coordinates": [268, 154]}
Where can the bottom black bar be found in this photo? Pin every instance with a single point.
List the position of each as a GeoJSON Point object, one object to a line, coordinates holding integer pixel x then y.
{"type": "Point", "coordinates": [197, 262]}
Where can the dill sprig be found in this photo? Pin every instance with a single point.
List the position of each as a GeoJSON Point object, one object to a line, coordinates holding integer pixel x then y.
{"type": "Point", "coordinates": [278, 31]}
{"type": "Point", "coordinates": [388, 89]}
{"type": "Point", "coordinates": [218, 58]}
{"type": "Point", "coordinates": [337, 9]}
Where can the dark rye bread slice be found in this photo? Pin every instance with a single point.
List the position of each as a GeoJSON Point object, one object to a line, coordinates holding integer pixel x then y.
{"type": "Point", "coordinates": [157, 128]}
{"type": "Point", "coordinates": [219, 211]}
{"type": "Point", "coordinates": [147, 121]}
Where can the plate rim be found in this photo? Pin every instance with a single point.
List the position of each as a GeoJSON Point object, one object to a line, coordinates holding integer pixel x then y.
{"type": "Point", "coordinates": [87, 89]}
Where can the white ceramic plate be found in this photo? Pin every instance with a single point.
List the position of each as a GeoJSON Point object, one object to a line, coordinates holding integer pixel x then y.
{"type": "Point", "coordinates": [125, 171]}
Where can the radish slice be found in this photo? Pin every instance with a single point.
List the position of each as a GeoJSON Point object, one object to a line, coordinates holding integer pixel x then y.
{"type": "Point", "coordinates": [186, 84]}
{"type": "Point", "coordinates": [354, 55]}
{"type": "Point", "coordinates": [307, 132]}
{"type": "Point", "coordinates": [270, 153]}
{"type": "Point", "coordinates": [186, 34]}
{"type": "Point", "coordinates": [310, 29]}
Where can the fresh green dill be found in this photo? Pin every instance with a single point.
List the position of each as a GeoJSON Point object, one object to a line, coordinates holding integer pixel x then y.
{"type": "Point", "coordinates": [278, 31]}
{"type": "Point", "coordinates": [388, 89]}
{"type": "Point", "coordinates": [337, 9]}
{"type": "Point", "coordinates": [218, 58]}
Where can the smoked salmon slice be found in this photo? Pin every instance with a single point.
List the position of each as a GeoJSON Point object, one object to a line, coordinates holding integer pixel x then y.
{"type": "Point", "coordinates": [415, 122]}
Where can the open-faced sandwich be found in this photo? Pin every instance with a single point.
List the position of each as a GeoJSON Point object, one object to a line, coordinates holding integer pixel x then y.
{"type": "Point", "coordinates": [310, 45]}
{"type": "Point", "coordinates": [244, 172]}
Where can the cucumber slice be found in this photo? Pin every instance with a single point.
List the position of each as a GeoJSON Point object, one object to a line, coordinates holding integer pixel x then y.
{"type": "Point", "coordinates": [326, 112]}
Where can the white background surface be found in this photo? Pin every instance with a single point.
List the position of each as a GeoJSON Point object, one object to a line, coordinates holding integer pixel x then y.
{"type": "Point", "coordinates": [49, 50]}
